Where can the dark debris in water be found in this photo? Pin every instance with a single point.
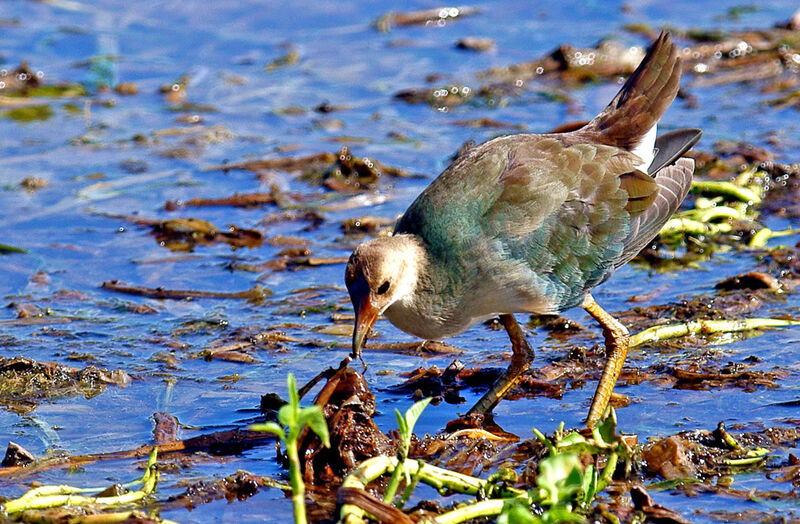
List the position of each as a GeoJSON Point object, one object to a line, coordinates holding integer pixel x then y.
{"type": "Point", "coordinates": [351, 173]}
{"type": "Point", "coordinates": [712, 58]}
{"type": "Point", "coordinates": [340, 171]}
{"type": "Point", "coordinates": [239, 486]}
{"type": "Point", "coordinates": [23, 83]}
{"type": "Point", "coordinates": [698, 376]}
{"type": "Point", "coordinates": [437, 17]}
{"type": "Point", "coordinates": [712, 307]}
{"type": "Point", "coordinates": [25, 382]}
{"type": "Point", "coordinates": [348, 406]}
{"type": "Point", "coordinates": [16, 455]}
{"type": "Point", "coordinates": [239, 345]}
{"type": "Point", "coordinates": [183, 234]}
{"type": "Point", "coordinates": [445, 385]}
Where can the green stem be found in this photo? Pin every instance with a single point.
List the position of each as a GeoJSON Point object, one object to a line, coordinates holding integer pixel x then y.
{"type": "Point", "coordinates": [711, 213]}
{"type": "Point", "coordinates": [486, 508]}
{"type": "Point", "coordinates": [657, 333]}
{"type": "Point", "coordinates": [438, 478]}
{"type": "Point", "coordinates": [761, 238]}
{"type": "Point", "coordinates": [744, 461]}
{"type": "Point", "coordinates": [54, 496]}
{"type": "Point", "coordinates": [608, 471]}
{"type": "Point", "coordinates": [410, 488]}
{"type": "Point", "coordinates": [53, 501]}
{"type": "Point", "coordinates": [394, 482]}
{"type": "Point", "coordinates": [675, 226]}
{"type": "Point", "coordinates": [745, 194]}
{"type": "Point", "coordinates": [296, 480]}
{"type": "Point", "coordinates": [5, 248]}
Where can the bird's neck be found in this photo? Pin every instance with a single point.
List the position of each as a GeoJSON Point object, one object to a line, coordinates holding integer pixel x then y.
{"type": "Point", "coordinates": [430, 311]}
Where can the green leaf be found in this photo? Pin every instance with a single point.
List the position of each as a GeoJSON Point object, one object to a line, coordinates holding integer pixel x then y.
{"type": "Point", "coordinates": [313, 418]}
{"type": "Point", "coordinates": [288, 413]}
{"type": "Point", "coordinates": [588, 486]}
{"type": "Point", "coordinates": [605, 433]}
{"type": "Point", "coordinates": [286, 416]}
{"type": "Point", "coordinates": [402, 427]}
{"type": "Point", "coordinates": [560, 514]}
{"type": "Point", "coordinates": [414, 412]}
{"type": "Point", "coordinates": [5, 248]}
{"type": "Point", "coordinates": [571, 439]}
{"type": "Point", "coordinates": [560, 477]}
{"type": "Point", "coordinates": [291, 385]}
{"type": "Point", "coordinates": [270, 427]}
{"type": "Point", "coordinates": [517, 511]}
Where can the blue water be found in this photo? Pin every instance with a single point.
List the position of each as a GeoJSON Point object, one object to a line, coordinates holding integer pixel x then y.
{"type": "Point", "coordinates": [222, 48]}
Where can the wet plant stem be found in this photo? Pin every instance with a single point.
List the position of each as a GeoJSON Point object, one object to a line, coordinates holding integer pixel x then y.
{"type": "Point", "coordinates": [656, 333]}
{"type": "Point", "coordinates": [743, 193]}
{"type": "Point", "coordinates": [438, 478]}
{"type": "Point", "coordinates": [761, 238]}
{"type": "Point", "coordinates": [394, 482]}
{"type": "Point", "coordinates": [608, 471]}
{"type": "Point", "coordinates": [485, 508]}
{"type": "Point", "coordinates": [410, 487]}
{"type": "Point", "coordinates": [676, 226]}
{"type": "Point", "coordinates": [296, 481]}
{"type": "Point", "coordinates": [55, 496]}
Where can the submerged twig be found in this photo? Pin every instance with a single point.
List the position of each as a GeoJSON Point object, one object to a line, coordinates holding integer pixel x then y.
{"type": "Point", "coordinates": [258, 292]}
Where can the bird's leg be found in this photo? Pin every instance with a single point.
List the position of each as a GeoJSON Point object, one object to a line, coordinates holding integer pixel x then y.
{"type": "Point", "coordinates": [616, 350]}
{"type": "Point", "coordinates": [521, 359]}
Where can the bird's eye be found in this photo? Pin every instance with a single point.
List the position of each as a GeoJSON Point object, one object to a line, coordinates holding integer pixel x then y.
{"type": "Point", "coordinates": [384, 288]}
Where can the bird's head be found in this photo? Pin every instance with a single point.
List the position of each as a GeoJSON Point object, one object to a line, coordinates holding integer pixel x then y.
{"type": "Point", "coordinates": [379, 273]}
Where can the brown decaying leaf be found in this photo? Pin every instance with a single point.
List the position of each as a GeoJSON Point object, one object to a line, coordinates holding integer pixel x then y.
{"type": "Point", "coordinates": [183, 234]}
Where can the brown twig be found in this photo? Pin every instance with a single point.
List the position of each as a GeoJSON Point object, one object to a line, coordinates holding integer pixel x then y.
{"type": "Point", "coordinates": [256, 293]}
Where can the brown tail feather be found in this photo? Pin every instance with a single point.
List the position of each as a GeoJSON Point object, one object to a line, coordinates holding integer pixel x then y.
{"type": "Point", "coordinates": [642, 100]}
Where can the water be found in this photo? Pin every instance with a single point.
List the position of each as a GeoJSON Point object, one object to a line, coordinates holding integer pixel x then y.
{"type": "Point", "coordinates": [95, 167]}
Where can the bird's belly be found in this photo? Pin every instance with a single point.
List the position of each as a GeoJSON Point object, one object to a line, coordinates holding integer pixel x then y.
{"type": "Point", "coordinates": [459, 319]}
{"type": "Point", "coordinates": [427, 327]}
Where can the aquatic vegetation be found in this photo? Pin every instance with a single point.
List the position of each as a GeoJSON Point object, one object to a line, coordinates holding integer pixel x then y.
{"type": "Point", "coordinates": [65, 495]}
{"type": "Point", "coordinates": [293, 420]}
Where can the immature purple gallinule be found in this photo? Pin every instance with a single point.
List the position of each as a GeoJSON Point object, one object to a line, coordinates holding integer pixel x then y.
{"type": "Point", "coordinates": [530, 224]}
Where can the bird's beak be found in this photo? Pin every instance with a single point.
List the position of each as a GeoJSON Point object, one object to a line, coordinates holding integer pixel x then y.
{"type": "Point", "coordinates": [366, 315]}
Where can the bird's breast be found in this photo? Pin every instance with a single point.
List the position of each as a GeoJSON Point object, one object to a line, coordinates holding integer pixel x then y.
{"type": "Point", "coordinates": [426, 323]}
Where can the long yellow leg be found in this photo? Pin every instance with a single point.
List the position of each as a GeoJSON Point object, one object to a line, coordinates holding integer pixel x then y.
{"type": "Point", "coordinates": [616, 350]}
{"type": "Point", "coordinates": [521, 359]}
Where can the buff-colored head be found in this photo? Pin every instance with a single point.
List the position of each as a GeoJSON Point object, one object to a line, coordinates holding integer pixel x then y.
{"type": "Point", "coordinates": [379, 273]}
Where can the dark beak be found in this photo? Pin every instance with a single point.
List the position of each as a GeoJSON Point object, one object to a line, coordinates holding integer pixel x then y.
{"type": "Point", "coordinates": [366, 315]}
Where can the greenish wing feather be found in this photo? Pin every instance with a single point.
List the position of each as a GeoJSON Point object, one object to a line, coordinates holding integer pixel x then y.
{"type": "Point", "coordinates": [565, 211]}
{"type": "Point", "coordinates": [544, 211]}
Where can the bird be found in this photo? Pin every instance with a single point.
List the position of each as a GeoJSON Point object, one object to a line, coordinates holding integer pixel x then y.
{"type": "Point", "coordinates": [531, 223]}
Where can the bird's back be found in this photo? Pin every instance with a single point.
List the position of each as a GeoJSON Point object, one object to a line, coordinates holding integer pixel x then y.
{"type": "Point", "coordinates": [533, 222]}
